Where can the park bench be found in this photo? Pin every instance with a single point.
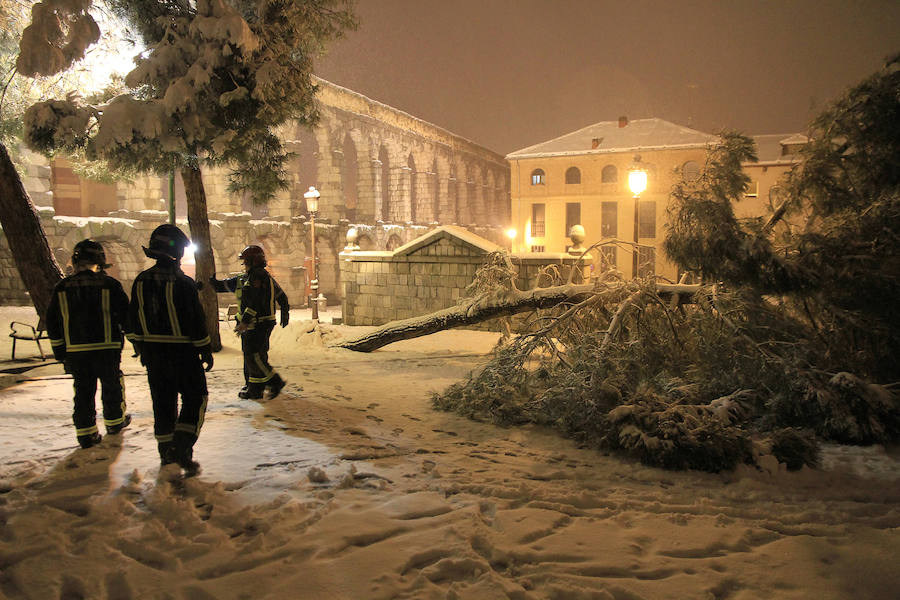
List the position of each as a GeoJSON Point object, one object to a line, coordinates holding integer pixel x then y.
{"type": "Point", "coordinates": [229, 313]}
{"type": "Point", "coordinates": [26, 331]}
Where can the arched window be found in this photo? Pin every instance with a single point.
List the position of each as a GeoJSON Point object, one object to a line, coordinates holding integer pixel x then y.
{"type": "Point", "coordinates": [538, 177]}
{"type": "Point", "coordinates": [609, 174]}
{"type": "Point", "coordinates": [573, 175]}
{"type": "Point", "coordinates": [690, 171]}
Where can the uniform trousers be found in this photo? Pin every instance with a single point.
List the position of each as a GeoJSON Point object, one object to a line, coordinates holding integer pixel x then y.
{"type": "Point", "coordinates": [86, 368]}
{"type": "Point", "coordinates": [174, 369]}
{"type": "Point", "coordinates": [258, 373]}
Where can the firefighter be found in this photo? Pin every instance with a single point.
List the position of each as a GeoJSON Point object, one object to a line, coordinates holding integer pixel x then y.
{"type": "Point", "coordinates": [169, 332]}
{"type": "Point", "coordinates": [257, 294]}
{"type": "Point", "coordinates": [85, 322]}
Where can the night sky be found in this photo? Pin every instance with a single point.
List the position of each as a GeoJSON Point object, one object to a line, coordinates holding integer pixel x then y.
{"type": "Point", "coordinates": [511, 73]}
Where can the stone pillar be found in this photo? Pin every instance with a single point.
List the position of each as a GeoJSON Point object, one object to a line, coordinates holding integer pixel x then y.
{"type": "Point", "coordinates": [329, 177]}
{"type": "Point", "coordinates": [402, 208]}
{"type": "Point", "coordinates": [425, 199]}
{"type": "Point", "coordinates": [370, 195]}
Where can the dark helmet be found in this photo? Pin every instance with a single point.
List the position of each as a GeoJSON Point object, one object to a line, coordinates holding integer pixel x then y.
{"type": "Point", "coordinates": [91, 252]}
{"type": "Point", "coordinates": [253, 256]}
{"type": "Point", "coordinates": [167, 241]}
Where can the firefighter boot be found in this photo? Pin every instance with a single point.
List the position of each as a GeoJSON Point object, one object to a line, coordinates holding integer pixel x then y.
{"type": "Point", "coordinates": [88, 441]}
{"type": "Point", "coordinates": [276, 386]}
{"type": "Point", "coordinates": [253, 392]}
{"type": "Point", "coordinates": [184, 458]}
{"type": "Point", "coordinates": [166, 453]}
{"type": "Point", "coordinates": [117, 428]}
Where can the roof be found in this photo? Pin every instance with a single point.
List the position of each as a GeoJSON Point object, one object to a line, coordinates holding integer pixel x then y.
{"type": "Point", "coordinates": [640, 134]}
{"type": "Point", "coordinates": [770, 148]}
{"type": "Point", "coordinates": [478, 243]}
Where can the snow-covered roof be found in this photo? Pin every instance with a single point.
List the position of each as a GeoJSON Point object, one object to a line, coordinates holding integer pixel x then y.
{"type": "Point", "coordinates": [447, 231]}
{"type": "Point", "coordinates": [608, 136]}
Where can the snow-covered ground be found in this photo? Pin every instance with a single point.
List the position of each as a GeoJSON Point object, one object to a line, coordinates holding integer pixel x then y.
{"type": "Point", "coordinates": [349, 485]}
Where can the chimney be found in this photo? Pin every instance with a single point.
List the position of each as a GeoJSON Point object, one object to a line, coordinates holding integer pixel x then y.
{"type": "Point", "coordinates": [623, 122]}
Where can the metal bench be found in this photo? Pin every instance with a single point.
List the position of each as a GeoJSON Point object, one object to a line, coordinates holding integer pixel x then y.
{"type": "Point", "coordinates": [229, 313]}
{"type": "Point", "coordinates": [25, 331]}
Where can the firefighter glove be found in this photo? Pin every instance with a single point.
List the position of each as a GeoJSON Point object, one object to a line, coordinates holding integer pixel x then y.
{"type": "Point", "coordinates": [206, 359]}
{"type": "Point", "coordinates": [285, 316]}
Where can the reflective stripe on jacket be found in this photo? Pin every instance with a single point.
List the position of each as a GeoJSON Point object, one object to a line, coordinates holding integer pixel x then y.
{"type": "Point", "coordinates": [87, 311]}
{"type": "Point", "coordinates": [165, 309]}
{"type": "Point", "coordinates": [257, 293]}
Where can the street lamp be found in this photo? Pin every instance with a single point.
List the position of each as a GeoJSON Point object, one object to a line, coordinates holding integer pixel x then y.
{"type": "Point", "coordinates": [511, 234]}
{"type": "Point", "coordinates": [312, 205]}
{"type": "Point", "coordinates": [637, 183]}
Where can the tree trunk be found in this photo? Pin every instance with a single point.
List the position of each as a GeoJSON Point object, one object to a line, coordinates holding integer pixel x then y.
{"type": "Point", "coordinates": [482, 309]}
{"type": "Point", "coordinates": [27, 241]}
{"type": "Point", "coordinates": [198, 221]}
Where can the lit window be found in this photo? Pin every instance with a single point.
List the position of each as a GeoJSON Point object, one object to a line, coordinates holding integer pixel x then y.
{"type": "Point", "coordinates": [537, 177]}
{"type": "Point", "coordinates": [647, 219]}
{"type": "Point", "coordinates": [609, 216]}
{"type": "Point", "coordinates": [609, 174]}
{"type": "Point", "coordinates": [537, 248]}
{"type": "Point", "coordinates": [573, 175]}
{"type": "Point", "coordinates": [538, 224]}
{"type": "Point", "coordinates": [573, 216]}
{"type": "Point", "coordinates": [752, 189]}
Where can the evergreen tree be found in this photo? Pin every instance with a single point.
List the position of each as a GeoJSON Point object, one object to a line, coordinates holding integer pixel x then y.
{"type": "Point", "coordinates": [218, 79]}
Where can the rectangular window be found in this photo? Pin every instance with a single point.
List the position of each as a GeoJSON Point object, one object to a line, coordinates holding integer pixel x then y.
{"type": "Point", "coordinates": [646, 262]}
{"type": "Point", "coordinates": [647, 218]}
{"type": "Point", "coordinates": [609, 216]}
{"type": "Point", "coordinates": [607, 257]}
{"type": "Point", "coordinates": [538, 225]}
{"type": "Point", "coordinates": [537, 248]}
{"type": "Point", "coordinates": [752, 189]}
{"type": "Point", "coordinates": [573, 216]}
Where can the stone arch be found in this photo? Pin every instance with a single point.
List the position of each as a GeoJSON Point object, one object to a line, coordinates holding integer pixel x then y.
{"type": "Point", "coordinates": [393, 242]}
{"type": "Point", "coordinates": [492, 213]}
{"type": "Point", "coordinates": [476, 199]}
{"type": "Point", "coordinates": [306, 165]}
{"type": "Point", "coordinates": [365, 243]}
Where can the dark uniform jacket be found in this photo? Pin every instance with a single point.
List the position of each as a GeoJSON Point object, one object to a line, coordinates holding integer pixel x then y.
{"type": "Point", "coordinates": [257, 293]}
{"type": "Point", "coordinates": [88, 311]}
{"type": "Point", "coordinates": [165, 309]}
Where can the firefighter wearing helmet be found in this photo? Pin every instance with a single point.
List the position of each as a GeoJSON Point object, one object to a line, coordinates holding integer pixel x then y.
{"type": "Point", "coordinates": [169, 332]}
{"type": "Point", "coordinates": [257, 294]}
{"type": "Point", "coordinates": [85, 322]}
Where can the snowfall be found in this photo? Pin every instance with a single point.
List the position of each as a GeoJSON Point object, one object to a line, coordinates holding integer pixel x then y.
{"type": "Point", "coordinates": [349, 485]}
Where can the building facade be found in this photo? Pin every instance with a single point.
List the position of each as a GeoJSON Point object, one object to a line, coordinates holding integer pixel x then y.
{"type": "Point", "coordinates": [384, 172]}
{"type": "Point", "coordinates": [581, 178]}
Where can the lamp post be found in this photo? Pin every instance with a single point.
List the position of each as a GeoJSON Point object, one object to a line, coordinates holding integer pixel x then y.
{"type": "Point", "coordinates": [637, 183]}
{"type": "Point", "coordinates": [312, 205]}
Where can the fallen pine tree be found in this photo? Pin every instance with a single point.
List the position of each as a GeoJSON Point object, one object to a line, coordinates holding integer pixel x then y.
{"type": "Point", "coordinates": [491, 306]}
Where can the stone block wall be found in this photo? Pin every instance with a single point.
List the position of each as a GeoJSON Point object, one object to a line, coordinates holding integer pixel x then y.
{"type": "Point", "coordinates": [427, 275]}
{"type": "Point", "coordinates": [381, 286]}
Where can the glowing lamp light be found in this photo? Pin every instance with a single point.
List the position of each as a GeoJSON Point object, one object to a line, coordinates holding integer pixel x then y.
{"type": "Point", "coordinates": [312, 199]}
{"type": "Point", "coordinates": [192, 248]}
{"type": "Point", "coordinates": [511, 233]}
{"type": "Point", "coordinates": [637, 177]}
